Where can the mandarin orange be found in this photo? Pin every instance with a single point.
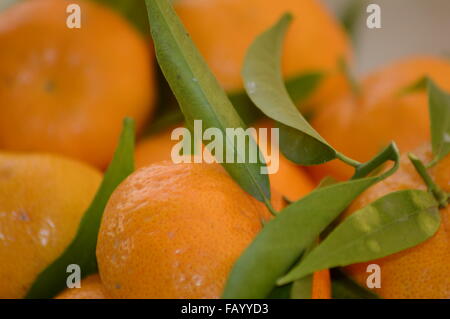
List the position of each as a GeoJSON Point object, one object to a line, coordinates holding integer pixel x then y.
{"type": "Point", "coordinates": [361, 125]}
{"type": "Point", "coordinates": [42, 200]}
{"type": "Point", "coordinates": [421, 271]}
{"type": "Point", "coordinates": [67, 90]}
{"type": "Point", "coordinates": [315, 41]}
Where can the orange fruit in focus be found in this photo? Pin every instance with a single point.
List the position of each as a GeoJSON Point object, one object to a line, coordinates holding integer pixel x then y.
{"type": "Point", "coordinates": [315, 41]}
{"type": "Point", "coordinates": [359, 126]}
{"type": "Point", "coordinates": [421, 271]}
{"type": "Point", "coordinates": [42, 199]}
{"type": "Point", "coordinates": [175, 231]}
{"type": "Point", "coordinates": [91, 288]}
{"type": "Point", "coordinates": [67, 90]}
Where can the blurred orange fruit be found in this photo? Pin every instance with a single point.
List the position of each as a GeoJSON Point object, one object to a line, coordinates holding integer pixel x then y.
{"type": "Point", "coordinates": [361, 125]}
{"type": "Point", "coordinates": [91, 288]}
{"type": "Point", "coordinates": [67, 90]}
{"type": "Point", "coordinates": [290, 180]}
{"type": "Point", "coordinates": [421, 271]}
{"type": "Point", "coordinates": [174, 231]}
{"type": "Point", "coordinates": [224, 29]}
{"type": "Point", "coordinates": [42, 199]}
{"type": "Point", "coordinates": [155, 148]}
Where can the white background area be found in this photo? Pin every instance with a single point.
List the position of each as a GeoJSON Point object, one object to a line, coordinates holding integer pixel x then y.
{"type": "Point", "coordinates": [409, 27]}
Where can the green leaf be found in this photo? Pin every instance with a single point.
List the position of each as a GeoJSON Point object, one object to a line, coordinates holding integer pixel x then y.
{"type": "Point", "coordinates": [247, 111]}
{"type": "Point", "coordinates": [342, 287]}
{"type": "Point", "coordinates": [395, 222]}
{"type": "Point", "coordinates": [264, 84]}
{"type": "Point", "coordinates": [199, 94]}
{"type": "Point", "coordinates": [327, 181]}
{"type": "Point", "coordinates": [439, 107]}
{"type": "Point", "coordinates": [282, 292]}
{"type": "Point", "coordinates": [81, 250]}
{"type": "Point", "coordinates": [133, 10]}
{"type": "Point", "coordinates": [282, 241]}
{"type": "Point", "coordinates": [302, 288]}
{"type": "Point", "coordinates": [417, 86]}
{"type": "Point", "coordinates": [299, 87]}
{"type": "Point", "coordinates": [351, 16]}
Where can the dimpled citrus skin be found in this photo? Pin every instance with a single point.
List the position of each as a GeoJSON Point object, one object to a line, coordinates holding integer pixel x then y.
{"type": "Point", "coordinates": [315, 41]}
{"type": "Point", "coordinates": [360, 126]}
{"type": "Point", "coordinates": [67, 90]}
{"type": "Point", "coordinates": [91, 288]}
{"type": "Point", "coordinates": [422, 271]}
{"type": "Point", "coordinates": [42, 199]}
{"type": "Point", "coordinates": [174, 231]}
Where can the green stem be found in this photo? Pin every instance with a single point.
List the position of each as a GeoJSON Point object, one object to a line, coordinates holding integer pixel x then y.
{"type": "Point", "coordinates": [438, 193]}
{"type": "Point", "coordinates": [347, 160]}
{"type": "Point", "coordinates": [390, 153]}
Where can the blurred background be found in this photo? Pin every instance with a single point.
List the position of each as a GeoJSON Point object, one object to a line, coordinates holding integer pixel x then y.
{"type": "Point", "coordinates": [408, 27]}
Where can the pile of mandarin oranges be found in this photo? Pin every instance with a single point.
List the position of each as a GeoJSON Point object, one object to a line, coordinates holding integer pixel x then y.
{"type": "Point", "coordinates": [175, 230]}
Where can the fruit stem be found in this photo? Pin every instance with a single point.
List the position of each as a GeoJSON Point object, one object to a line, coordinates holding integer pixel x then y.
{"type": "Point", "coordinates": [389, 153]}
{"type": "Point", "coordinates": [347, 160]}
{"type": "Point", "coordinates": [438, 193]}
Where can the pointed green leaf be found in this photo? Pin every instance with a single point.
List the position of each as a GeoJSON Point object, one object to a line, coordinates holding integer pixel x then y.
{"type": "Point", "coordinates": [299, 87]}
{"type": "Point", "coordinates": [81, 250]}
{"type": "Point", "coordinates": [283, 240]}
{"type": "Point", "coordinates": [351, 16]}
{"type": "Point", "coordinates": [264, 84]}
{"type": "Point", "coordinates": [419, 85]}
{"type": "Point", "coordinates": [439, 105]}
{"type": "Point", "coordinates": [395, 222]}
{"type": "Point", "coordinates": [199, 94]}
